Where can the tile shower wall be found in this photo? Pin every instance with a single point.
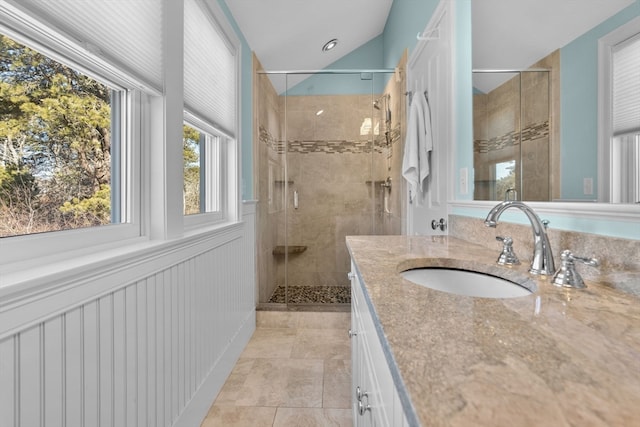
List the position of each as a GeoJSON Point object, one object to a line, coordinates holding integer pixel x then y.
{"type": "Point", "coordinates": [338, 175]}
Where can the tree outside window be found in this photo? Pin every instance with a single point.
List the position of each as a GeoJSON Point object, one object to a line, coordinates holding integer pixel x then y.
{"type": "Point", "coordinates": [191, 154]}
{"type": "Point", "coordinates": [55, 144]}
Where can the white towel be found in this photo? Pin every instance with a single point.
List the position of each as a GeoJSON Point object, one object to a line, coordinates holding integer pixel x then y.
{"type": "Point", "coordinates": [427, 145]}
{"type": "Point", "coordinates": [418, 144]}
{"type": "Point", "coordinates": [411, 159]}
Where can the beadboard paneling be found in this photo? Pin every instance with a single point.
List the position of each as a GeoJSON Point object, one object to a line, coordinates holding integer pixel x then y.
{"type": "Point", "coordinates": [137, 352]}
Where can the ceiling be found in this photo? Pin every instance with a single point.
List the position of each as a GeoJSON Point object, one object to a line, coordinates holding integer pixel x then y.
{"type": "Point", "coordinates": [289, 34]}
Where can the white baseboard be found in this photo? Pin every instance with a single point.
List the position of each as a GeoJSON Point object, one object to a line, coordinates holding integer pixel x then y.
{"type": "Point", "coordinates": [197, 409]}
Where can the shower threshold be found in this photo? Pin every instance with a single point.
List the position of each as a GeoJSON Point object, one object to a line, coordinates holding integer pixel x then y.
{"type": "Point", "coordinates": [304, 307]}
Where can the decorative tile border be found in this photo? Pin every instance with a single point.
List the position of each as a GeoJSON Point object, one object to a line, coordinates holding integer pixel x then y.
{"type": "Point", "coordinates": [330, 146]}
{"type": "Point", "coordinates": [530, 133]}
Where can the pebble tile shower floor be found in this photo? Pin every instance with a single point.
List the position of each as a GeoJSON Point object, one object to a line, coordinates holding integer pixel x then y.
{"type": "Point", "coordinates": [295, 371]}
{"type": "Point", "coordinates": [300, 294]}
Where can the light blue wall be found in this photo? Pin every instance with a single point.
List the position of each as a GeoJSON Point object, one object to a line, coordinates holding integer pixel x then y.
{"type": "Point", "coordinates": [579, 106]}
{"type": "Point", "coordinates": [406, 19]}
{"type": "Point", "coordinates": [463, 152]}
{"type": "Point", "coordinates": [368, 56]}
{"type": "Point", "coordinates": [246, 108]}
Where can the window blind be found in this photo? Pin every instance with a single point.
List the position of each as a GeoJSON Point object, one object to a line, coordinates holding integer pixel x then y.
{"type": "Point", "coordinates": [626, 86]}
{"type": "Point", "coordinates": [210, 69]}
{"type": "Point", "coordinates": [127, 34]}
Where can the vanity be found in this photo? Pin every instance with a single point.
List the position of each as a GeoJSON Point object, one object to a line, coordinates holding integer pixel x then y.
{"type": "Point", "coordinates": [425, 357]}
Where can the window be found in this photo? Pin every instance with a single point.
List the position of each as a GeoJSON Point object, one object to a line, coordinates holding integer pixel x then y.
{"type": "Point", "coordinates": [625, 155]}
{"type": "Point", "coordinates": [91, 167]}
{"type": "Point", "coordinates": [202, 172]}
{"type": "Point", "coordinates": [71, 133]}
{"type": "Point", "coordinates": [60, 135]}
{"type": "Point", "coordinates": [620, 115]}
{"type": "Point", "coordinates": [211, 69]}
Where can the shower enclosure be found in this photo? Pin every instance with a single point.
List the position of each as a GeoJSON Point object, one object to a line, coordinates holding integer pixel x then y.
{"type": "Point", "coordinates": [327, 164]}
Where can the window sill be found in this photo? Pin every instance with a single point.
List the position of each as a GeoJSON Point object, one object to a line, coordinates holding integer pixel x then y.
{"type": "Point", "coordinates": [75, 268]}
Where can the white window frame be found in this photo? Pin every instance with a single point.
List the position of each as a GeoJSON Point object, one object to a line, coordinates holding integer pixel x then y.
{"type": "Point", "coordinates": [60, 245]}
{"type": "Point", "coordinates": [605, 119]}
{"type": "Point", "coordinates": [214, 177]}
{"type": "Point", "coordinates": [227, 188]}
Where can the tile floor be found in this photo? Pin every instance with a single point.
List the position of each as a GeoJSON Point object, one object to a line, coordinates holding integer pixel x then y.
{"type": "Point", "coordinates": [295, 371]}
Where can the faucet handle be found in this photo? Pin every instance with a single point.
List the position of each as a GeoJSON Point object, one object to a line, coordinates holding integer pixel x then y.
{"type": "Point", "coordinates": [567, 276]}
{"type": "Point", "coordinates": [508, 256]}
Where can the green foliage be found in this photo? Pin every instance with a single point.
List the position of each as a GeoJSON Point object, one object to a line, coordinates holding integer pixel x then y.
{"type": "Point", "coordinates": [56, 124]}
{"type": "Point", "coordinates": [94, 210]}
{"type": "Point", "coordinates": [505, 183]}
{"type": "Point", "coordinates": [17, 185]}
{"type": "Point", "coordinates": [191, 156]}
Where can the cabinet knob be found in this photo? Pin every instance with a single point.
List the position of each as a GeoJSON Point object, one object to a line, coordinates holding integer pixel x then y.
{"type": "Point", "coordinates": [350, 275]}
{"type": "Point", "coordinates": [352, 333]}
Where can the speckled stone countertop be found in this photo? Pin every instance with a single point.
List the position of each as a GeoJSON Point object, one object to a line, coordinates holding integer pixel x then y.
{"type": "Point", "coordinates": [559, 357]}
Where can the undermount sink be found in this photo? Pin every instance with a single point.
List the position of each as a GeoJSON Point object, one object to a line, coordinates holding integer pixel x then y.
{"type": "Point", "coordinates": [464, 282]}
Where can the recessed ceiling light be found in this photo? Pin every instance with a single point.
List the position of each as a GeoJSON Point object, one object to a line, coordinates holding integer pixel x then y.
{"type": "Point", "coordinates": [329, 45]}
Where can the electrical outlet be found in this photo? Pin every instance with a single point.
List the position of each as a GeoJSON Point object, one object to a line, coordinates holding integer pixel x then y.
{"type": "Point", "coordinates": [587, 186]}
{"type": "Point", "coordinates": [464, 181]}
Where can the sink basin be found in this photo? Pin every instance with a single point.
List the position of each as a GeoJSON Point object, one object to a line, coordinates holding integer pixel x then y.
{"type": "Point", "coordinates": [464, 282]}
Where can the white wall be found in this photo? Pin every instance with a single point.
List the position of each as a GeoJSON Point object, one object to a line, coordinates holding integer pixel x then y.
{"type": "Point", "coordinates": [146, 341]}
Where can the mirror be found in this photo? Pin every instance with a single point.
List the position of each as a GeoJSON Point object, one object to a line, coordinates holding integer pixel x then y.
{"type": "Point", "coordinates": [544, 121]}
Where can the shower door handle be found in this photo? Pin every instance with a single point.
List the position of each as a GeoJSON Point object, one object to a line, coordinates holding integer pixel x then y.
{"type": "Point", "coordinates": [295, 199]}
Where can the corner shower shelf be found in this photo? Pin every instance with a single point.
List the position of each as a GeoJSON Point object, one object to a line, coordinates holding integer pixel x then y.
{"type": "Point", "coordinates": [291, 249]}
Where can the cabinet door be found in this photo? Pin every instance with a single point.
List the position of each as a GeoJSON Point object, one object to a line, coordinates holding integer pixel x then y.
{"type": "Point", "coordinates": [376, 375]}
{"type": "Point", "coordinates": [375, 400]}
{"type": "Point", "coordinates": [369, 405]}
{"type": "Point", "coordinates": [356, 363]}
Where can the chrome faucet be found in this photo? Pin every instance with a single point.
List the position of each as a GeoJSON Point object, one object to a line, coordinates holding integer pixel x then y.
{"type": "Point", "coordinates": [542, 262]}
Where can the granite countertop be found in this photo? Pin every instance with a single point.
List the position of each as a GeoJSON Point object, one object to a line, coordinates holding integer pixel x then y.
{"type": "Point", "coordinates": [559, 357]}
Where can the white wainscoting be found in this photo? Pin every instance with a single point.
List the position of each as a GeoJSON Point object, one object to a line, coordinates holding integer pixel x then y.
{"type": "Point", "coordinates": [149, 351]}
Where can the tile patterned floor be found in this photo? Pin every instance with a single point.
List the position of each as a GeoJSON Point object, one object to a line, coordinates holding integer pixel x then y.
{"type": "Point", "coordinates": [295, 371]}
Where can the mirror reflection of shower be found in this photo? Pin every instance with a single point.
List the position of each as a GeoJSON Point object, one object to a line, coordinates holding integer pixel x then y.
{"type": "Point", "coordinates": [512, 134]}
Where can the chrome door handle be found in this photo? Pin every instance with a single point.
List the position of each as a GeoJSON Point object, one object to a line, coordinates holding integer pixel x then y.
{"type": "Point", "coordinates": [442, 224]}
{"type": "Point", "coordinates": [362, 408]}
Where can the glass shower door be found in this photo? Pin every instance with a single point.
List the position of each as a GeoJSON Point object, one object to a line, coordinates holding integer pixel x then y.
{"type": "Point", "coordinates": [329, 137]}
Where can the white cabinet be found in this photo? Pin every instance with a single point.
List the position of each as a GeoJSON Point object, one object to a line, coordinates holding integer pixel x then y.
{"type": "Point", "coordinates": [375, 400]}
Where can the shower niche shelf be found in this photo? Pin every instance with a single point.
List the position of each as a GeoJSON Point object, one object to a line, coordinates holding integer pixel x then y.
{"type": "Point", "coordinates": [291, 249]}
